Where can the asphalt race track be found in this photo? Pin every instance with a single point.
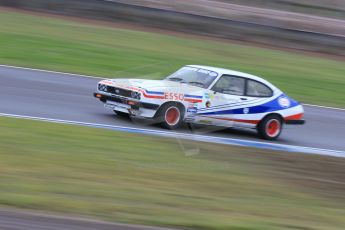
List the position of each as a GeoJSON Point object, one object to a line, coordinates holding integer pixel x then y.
{"type": "Point", "coordinates": [20, 220]}
{"type": "Point", "coordinates": [69, 97]}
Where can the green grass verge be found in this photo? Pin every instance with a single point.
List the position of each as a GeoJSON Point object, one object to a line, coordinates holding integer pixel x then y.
{"type": "Point", "coordinates": [63, 45]}
{"type": "Point", "coordinates": [149, 180]}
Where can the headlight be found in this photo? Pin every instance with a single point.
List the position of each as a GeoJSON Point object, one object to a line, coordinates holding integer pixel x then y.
{"type": "Point", "coordinates": [135, 95]}
{"type": "Point", "coordinates": [102, 87]}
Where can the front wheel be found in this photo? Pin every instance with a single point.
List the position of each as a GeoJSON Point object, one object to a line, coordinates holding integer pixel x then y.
{"type": "Point", "coordinates": [171, 115]}
{"type": "Point", "coordinates": [270, 127]}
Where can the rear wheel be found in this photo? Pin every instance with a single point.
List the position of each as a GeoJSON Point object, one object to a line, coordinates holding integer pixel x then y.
{"type": "Point", "coordinates": [270, 127]}
{"type": "Point", "coordinates": [171, 115]}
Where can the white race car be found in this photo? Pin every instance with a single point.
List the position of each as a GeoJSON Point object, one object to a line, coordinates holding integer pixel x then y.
{"type": "Point", "coordinates": [204, 95]}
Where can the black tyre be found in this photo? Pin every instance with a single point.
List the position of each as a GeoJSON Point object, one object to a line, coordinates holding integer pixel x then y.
{"type": "Point", "coordinates": [171, 115]}
{"type": "Point", "coordinates": [270, 127]}
{"type": "Point", "coordinates": [121, 114]}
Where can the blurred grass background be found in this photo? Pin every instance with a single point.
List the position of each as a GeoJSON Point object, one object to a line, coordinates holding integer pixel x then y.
{"type": "Point", "coordinates": [149, 180]}
{"type": "Point", "coordinates": [63, 45]}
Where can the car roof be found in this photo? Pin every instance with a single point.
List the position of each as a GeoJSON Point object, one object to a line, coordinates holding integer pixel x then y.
{"type": "Point", "coordinates": [222, 71]}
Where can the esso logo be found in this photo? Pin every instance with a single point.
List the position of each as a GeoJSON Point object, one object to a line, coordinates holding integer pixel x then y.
{"type": "Point", "coordinates": [174, 96]}
{"type": "Point", "coordinates": [284, 102]}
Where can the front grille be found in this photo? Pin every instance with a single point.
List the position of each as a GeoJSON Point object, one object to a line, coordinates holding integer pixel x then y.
{"type": "Point", "coordinates": [119, 91]}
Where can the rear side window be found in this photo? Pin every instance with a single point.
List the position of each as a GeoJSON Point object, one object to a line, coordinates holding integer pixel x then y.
{"type": "Point", "coordinates": [257, 89]}
{"type": "Point", "coordinates": [230, 85]}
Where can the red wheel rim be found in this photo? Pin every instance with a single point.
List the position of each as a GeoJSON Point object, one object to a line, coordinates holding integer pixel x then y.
{"type": "Point", "coordinates": [273, 128]}
{"type": "Point", "coordinates": [172, 115]}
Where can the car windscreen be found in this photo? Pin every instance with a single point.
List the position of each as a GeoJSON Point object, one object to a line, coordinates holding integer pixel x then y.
{"type": "Point", "coordinates": [194, 76]}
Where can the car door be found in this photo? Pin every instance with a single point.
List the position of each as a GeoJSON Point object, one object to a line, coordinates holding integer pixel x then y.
{"type": "Point", "coordinates": [228, 92]}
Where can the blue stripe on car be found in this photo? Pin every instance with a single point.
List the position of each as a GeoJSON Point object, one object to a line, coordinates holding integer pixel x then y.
{"type": "Point", "coordinates": [244, 103]}
{"type": "Point", "coordinates": [193, 96]}
{"type": "Point", "coordinates": [154, 92]}
{"type": "Point", "coordinates": [264, 108]}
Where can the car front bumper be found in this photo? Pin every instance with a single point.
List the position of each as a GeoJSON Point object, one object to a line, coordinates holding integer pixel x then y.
{"type": "Point", "coordinates": [128, 105]}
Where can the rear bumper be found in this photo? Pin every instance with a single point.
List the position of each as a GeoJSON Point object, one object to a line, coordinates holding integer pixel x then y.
{"type": "Point", "coordinates": [295, 122]}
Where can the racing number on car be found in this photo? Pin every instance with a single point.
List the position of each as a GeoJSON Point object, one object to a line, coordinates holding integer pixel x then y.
{"type": "Point", "coordinates": [174, 96]}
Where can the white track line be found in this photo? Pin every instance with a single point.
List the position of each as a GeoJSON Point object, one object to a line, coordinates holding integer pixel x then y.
{"type": "Point", "coordinates": [88, 76]}
{"type": "Point", "coordinates": [194, 137]}
{"type": "Point", "coordinates": [324, 107]}
{"type": "Point", "coordinates": [50, 71]}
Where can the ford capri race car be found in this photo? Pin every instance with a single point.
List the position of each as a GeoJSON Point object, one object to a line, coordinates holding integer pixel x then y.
{"type": "Point", "coordinates": [204, 95]}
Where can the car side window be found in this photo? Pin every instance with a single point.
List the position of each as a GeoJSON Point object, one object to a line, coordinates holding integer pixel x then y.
{"type": "Point", "coordinates": [257, 89]}
{"type": "Point", "coordinates": [230, 85]}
